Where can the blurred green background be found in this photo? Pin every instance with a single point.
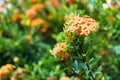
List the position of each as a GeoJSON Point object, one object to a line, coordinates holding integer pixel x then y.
{"type": "Point", "coordinates": [30, 28]}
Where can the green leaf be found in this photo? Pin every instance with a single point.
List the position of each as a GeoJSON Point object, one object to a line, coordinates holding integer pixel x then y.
{"type": "Point", "coordinates": [75, 65]}
{"type": "Point", "coordinates": [117, 49]}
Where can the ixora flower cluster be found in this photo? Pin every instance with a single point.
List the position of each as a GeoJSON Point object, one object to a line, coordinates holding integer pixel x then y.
{"type": "Point", "coordinates": [9, 69]}
{"type": "Point", "coordinates": [60, 48]}
{"type": "Point", "coordinates": [81, 26]}
{"type": "Point", "coordinates": [76, 29]}
{"type": "Point", "coordinates": [6, 69]}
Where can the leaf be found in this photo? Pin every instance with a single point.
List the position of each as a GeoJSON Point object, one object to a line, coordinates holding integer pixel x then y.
{"type": "Point", "coordinates": [86, 47]}
{"type": "Point", "coordinates": [117, 49]}
{"type": "Point", "coordinates": [75, 65]}
{"type": "Point", "coordinates": [91, 60]}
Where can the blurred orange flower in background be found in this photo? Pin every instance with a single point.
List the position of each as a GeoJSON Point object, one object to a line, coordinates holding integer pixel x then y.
{"type": "Point", "coordinates": [15, 78]}
{"type": "Point", "coordinates": [36, 22]}
{"type": "Point", "coordinates": [17, 15]}
{"type": "Point", "coordinates": [45, 26]}
{"type": "Point", "coordinates": [52, 2]}
{"type": "Point", "coordinates": [33, 1]}
{"type": "Point", "coordinates": [6, 69]}
{"type": "Point", "coordinates": [28, 37]}
{"type": "Point", "coordinates": [71, 1]}
{"type": "Point", "coordinates": [38, 7]}
{"type": "Point", "coordinates": [78, 78]}
{"type": "Point", "coordinates": [30, 13]}
{"type": "Point", "coordinates": [49, 78]}
{"type": "Point", "coordinates": [64, 78]}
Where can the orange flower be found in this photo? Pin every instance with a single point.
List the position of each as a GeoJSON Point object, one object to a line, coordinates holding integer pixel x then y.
{"type": "Point", "coordinates": [36, 22]}
{"type": "Point", "coordinates": [33, 1]}
{"type": "Point", "coordinates": [45, 26]}
{"type": "Point", "coordinates": [2, 5]}
{"type": "Point", "coordinates": [64, 78]}
{"type": "Point", "coordinates": [21, 70]}
{"type": "Point", "coordinates": [52, 2]}
{"type": "Point", "coordinates": [78, 78]}
{"type": "Point", "coordinates": [71, 1]}
{"type": "Point", "coordinates": [17, 15]}
{"type": "Point", "coordinates": [28, 37]}
{"type": "Point", "coordinates": [82, 26]}
{"type": "Point", "coordinates": [15, 59]}
{"type": "Point", "coordinates": [38, 7]}
{"type": "Point", "coordinates": [30, 13]}
{"type": "Point", "coordinates": [55, 2]}
{"type": "Point", "coordinates": [49, 78]}
{"type": "Point", "coordinates": [14, 78]}
{"type": "Point", "coordinates": [6, 69]}
{"type": "Point", "coordinates": [59, 47]}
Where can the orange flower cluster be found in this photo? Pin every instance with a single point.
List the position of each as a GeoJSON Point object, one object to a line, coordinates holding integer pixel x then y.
{"type": "Point", "coordinates": [6, 69]}
{"type": "Point", "coordinates": [82, 26]}
{"type": "Point", "coordinates": [59, 48]}
{"type": "Point", "coordinates": [36, 22]}
{"type": "Point", "coordinates": [38, 7]}
{"type": "Point", "coordinates": [30, 13]}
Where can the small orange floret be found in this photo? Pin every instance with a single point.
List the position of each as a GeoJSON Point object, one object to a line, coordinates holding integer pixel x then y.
{"type": "Point", "coordinates": [36, 22]}
{"type": "Point", "coordinates": [33, 1]}
{"type": "Point", "coordinates": [45, 26]}
{"type": "Point", "coordinates": [30, 13]}
{"type": "Point", "coordinates": [58, 48]}
{"type": "Point", "coordinates": [38, 7]}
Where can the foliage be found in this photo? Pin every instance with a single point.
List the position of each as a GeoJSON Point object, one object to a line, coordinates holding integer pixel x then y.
{"type": "Point", "coordinates": [30, 28]}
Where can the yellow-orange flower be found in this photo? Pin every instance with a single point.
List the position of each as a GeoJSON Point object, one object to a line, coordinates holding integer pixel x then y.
{"type": "Point", "coordinates": [64, 78]}
{"type": "Point", "coordinates": [78, 78]}
{"type": "Point", "coordinates": [59, 48]}
{"type": "Point", "coordinates": [21, 70]}
{"type": "Point", "coordinates": [82, 26]}
{"type": "Point", "coordinates": [6, 69]}
{"type": "Point", "coordinates": [36, 22]}
{"type": "Point", "coordinates": [14, 78]}
{"type": "Point", "coordinates": [28, 37]}
{"type": "Point", "coordinates": [53, 3]}
{"type": "Point", "coordinates": [17, 15]}
{"type": "Point", "coordinates": [30, 13]}
{"type": "Point", "coordinates": [44, 26]}
{"type": "Point", "coordinates": [15, 59]}
{"type": "Point", "coordinates": [49, 78]}
{"type": "Point", "coordinates": [33, 1]}
{"type": "Point", "coordinates": [38, 7]}
{"type": "Point", "coordinates": [71, 1]}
